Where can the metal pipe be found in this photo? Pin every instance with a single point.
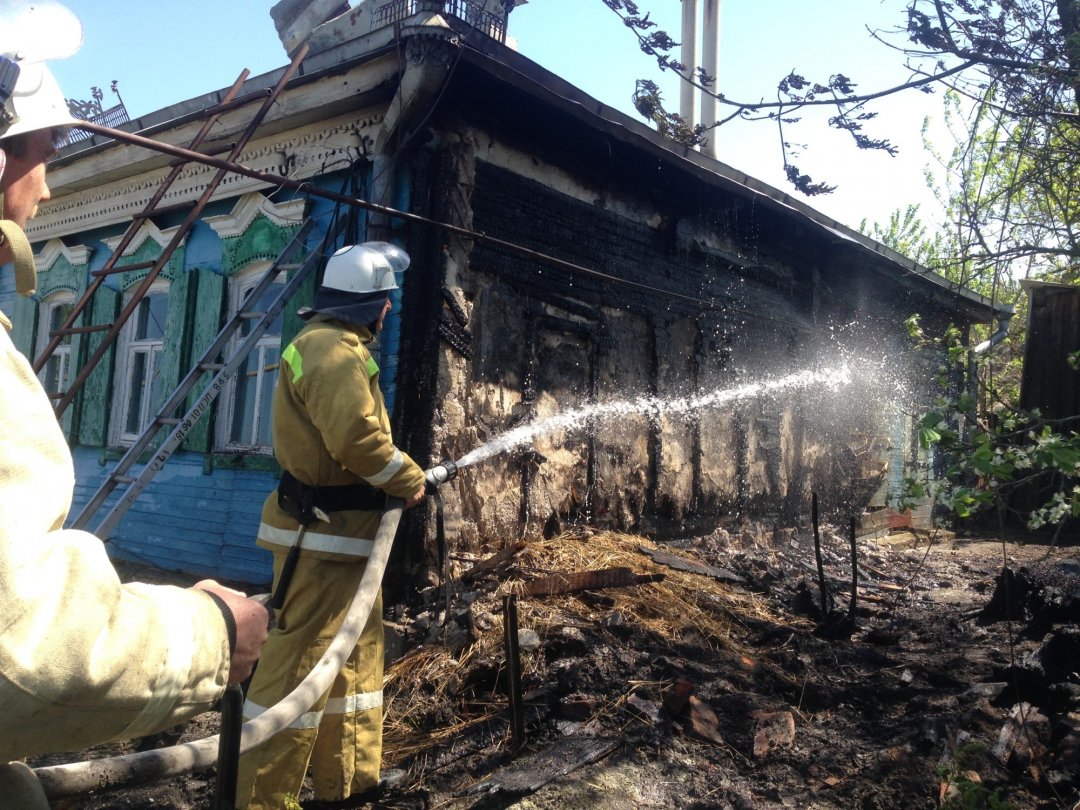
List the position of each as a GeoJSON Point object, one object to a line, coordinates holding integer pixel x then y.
{"type": "Point", "coordinates": [710, 57]}
{"type": "Point", "coordinates": [817, 554]}
{"type": "Point", "coordinates": [60, 781]}
{"type": "Point", "coordinates": [689, 57]}
{"type": "Point", "coordinates": [513, 669]}
{"type": "Point", "coordinates": [228, 759]}
{"type": "Point", "coordinates": [998, 336]}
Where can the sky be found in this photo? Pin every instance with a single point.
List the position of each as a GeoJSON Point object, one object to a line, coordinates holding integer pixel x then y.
{"type": "Point", "coordinates": [163, 52]}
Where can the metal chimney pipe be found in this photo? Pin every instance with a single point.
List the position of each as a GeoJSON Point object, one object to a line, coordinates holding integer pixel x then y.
{"type": "Point", "coordinates": [689, 58]}
{"type": "Point", "coordinates": [710, 58]}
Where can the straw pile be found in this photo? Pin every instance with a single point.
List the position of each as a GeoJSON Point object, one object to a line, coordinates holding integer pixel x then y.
{"type": "Point", "coordinates": [433, 696]}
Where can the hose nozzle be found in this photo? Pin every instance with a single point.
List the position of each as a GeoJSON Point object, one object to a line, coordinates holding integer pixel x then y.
{"type": "Point", "coordinates": [439, 474]}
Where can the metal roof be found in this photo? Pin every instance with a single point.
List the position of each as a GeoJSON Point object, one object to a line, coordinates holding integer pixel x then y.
{"type": "Point", "coordinates": [507, 66]}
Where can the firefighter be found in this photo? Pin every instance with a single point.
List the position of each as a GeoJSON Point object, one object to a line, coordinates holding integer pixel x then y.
{"type": "Point", "coordinates": [332, 439]}
{"type": "Point", "coordinates": [84, 659]}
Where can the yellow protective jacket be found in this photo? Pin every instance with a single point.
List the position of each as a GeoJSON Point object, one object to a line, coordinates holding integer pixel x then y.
{"type": "Point", "coordinates": [331, 429]}
{"type": "Point", "coordinates": [83, 658]}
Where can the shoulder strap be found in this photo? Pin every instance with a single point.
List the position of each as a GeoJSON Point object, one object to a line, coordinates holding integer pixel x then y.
{"type": "Point", "coordinates": [21, 254]}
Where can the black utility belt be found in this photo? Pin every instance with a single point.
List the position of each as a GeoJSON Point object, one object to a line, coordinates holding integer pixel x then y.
{"type": "Point", "coordinates": [300, 500]}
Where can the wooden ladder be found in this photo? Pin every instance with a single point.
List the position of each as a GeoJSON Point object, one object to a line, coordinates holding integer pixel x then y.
{"type": "Point", "coordinates": [212, 361]}
{"type": "Point", "coordinates": [112, 330]}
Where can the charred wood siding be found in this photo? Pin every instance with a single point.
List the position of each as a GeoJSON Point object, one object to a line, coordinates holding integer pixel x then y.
{"type": "Point", "coordinates": [545, 340]}
{"type": "Point", "coordinates": [1049, 384]}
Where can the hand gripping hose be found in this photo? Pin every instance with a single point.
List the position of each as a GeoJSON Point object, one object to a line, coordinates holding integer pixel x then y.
{"type": "Point", "coordinates": [59, 781]}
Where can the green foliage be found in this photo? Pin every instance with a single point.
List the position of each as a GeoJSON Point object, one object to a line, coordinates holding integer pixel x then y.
{"type": "Point", "coordinates": [992, 454]}
{"type": "Point", "coordinates": [963, 790]}
{"type": "Point", "coordinates": [908, 235]}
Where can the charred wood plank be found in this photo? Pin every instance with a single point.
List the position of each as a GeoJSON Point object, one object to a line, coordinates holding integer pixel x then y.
{"type": "Point", "coordinates": [587, 581]}
{"type": "Point", "coordinates": [691, 566]}
{"type": "Point", "coordinates": [537, 770]}
{"type": "Point", "coordinates": [495, 561]}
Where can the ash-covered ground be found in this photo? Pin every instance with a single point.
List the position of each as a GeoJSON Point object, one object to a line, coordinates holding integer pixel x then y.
{"type": "Point", "coordinates": [705, 674]}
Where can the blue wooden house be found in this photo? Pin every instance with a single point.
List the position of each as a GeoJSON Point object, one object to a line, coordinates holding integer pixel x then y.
{"type": "Point", "coordinates": [673, 274]}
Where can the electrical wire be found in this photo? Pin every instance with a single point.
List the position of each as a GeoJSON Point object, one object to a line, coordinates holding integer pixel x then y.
{"type": "Point", "coordinates": [307, 187]}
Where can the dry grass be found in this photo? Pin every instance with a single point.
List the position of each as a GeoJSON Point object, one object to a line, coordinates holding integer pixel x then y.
{"type": "Point", "coordinates": [423, 707]}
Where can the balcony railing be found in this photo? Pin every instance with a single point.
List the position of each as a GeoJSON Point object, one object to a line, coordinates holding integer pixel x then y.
{"type": "Point", "coordinates": [473, 12]}
{"type": "Point", "coordinates": [92, 111]}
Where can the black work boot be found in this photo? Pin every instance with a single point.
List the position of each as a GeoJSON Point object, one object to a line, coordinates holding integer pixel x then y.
{"type": "Point", "coordinates": [388, 780]}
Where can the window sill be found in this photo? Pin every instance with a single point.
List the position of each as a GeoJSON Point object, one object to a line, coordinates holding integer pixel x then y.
{"type": "Point", "coordinates": [258, 462]}
{"type": "Point", "coordinates": [254, 462]}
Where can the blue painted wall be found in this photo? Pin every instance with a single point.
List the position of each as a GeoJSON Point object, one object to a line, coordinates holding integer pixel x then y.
{"type": "Point", "coordinates": [187, 520]}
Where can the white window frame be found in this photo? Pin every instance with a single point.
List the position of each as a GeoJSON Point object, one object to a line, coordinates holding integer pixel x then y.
{"type": "Point", "coordinates": [127, 348]}
{"type": "Point", "coordinates": [61, 355]}
{"type": "Point", "coordinates": [267, 357]}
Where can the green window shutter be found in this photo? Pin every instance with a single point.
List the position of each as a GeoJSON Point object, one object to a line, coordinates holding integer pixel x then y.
{"type": "Point", "coordinates": [292, 323]}
{"type": "Point", "coordinates": [208, 290]}
{"type": "Point", "coordinates": [24, 325]}
{"type": "Point", "coordinates": [97, 390]}
{"type": "Point", "coordinates": [174, 354]}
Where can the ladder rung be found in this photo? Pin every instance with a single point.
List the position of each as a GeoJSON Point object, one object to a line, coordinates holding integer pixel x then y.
{"type": "Point", "coordinates": [79, 330]}
{"type": "Point", "coordinates": [236, 102]}
{"type": "Point", "coordinates": [116, 268]}
{"type": "Point", "coordinates": [211, 366]}
{"type": "Point", "coordinates": [123, 479]}
{"type": "Point", "coordinates": [168, 420]}
{"type": "Point", "coordinates": [290, 266]}
{"type": "Point", "coordinates": [250, 316]}
{"type": "Point", "coordinates": [208, 151]}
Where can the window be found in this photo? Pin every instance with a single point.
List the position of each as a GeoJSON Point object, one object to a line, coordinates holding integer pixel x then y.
{"type": "Point", "coordinates": [245, 423]}
{"type": "Point", "coordinates": [56, 375]}
{"type": "Point", "coordinates": [139, 352]}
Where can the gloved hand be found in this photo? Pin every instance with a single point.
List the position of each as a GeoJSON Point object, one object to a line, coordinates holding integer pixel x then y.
{"type": "Point", "coordinates": [251, 620]}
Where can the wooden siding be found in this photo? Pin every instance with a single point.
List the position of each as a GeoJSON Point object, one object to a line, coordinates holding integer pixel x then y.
{"type": "Point", "coordinates": [1049, 384]}
{"type": "Point", "coordinates": [188, 521]}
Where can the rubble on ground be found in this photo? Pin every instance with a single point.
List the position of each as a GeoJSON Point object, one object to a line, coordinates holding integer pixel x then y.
{"type": "Point", "coordinates": [716, 672]}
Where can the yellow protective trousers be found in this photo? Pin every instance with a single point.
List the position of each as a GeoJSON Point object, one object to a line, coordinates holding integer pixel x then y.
{"type": "Point", "coordinates": [341, 735]}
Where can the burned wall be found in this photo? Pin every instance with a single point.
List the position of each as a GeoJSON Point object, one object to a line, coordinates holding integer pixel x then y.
{"type": "Point", "coordinates": [716, 295]}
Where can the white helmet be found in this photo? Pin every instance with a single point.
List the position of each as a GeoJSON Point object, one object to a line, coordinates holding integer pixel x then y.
{"type": "Point", "coordinates": [32, 32]}
{"type": "Point", "coordinates": [35, 102]}
{"type": "Point", "coordinates": [365, 268]}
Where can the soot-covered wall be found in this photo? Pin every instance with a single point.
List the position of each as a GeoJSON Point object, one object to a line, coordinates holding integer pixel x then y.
{"type": "Point", "coordinates": [728, 296]}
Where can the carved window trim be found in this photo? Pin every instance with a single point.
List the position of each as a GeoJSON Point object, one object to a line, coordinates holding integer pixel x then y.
{"type": "Point", "coordinates": [138, 360]}
{"type": "Point", "coordinates": [262, 362]}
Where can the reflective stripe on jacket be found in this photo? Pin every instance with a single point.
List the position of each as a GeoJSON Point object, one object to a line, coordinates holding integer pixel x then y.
{"type": "Point", "coordinates": [331, 429]}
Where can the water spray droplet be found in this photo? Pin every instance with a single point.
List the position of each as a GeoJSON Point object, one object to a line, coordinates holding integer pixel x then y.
{"type": "Point", "coordinates": [654, 407]}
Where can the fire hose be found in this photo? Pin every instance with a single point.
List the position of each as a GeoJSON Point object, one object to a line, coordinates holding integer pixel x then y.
{"type": "Point", "coordinates": [60, 781]}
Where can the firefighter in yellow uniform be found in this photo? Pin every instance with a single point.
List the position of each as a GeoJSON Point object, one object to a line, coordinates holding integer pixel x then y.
{"type": "Point", "coordinates": [84, 658]}
{"type": "Point", "coordinates": [332, 439]}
